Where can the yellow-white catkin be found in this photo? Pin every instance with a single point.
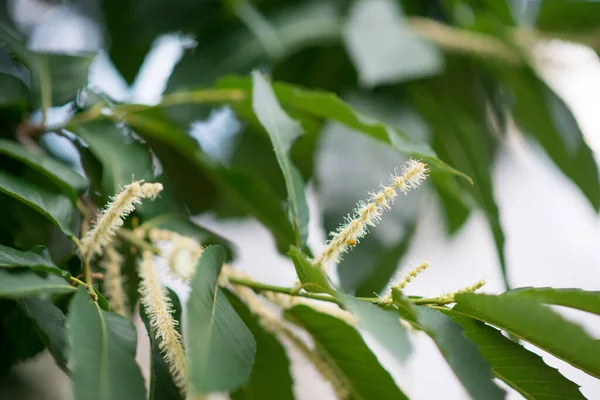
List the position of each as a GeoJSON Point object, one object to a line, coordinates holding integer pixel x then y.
{"type": "Point", "coordinates": [111, 218]}
{"type": "Point", "coordinates": [157, 305]}
{"type": "Point", "coordinates": [450, 297]}
{"type": "Point", "coordinates": [411, 275]}
{"type": "Point", "coordinates": [271, 323]}
{"type": "Point", "coordinates": [182, 254]}
{"type": "Point", "coordinates": [369, 214]}
{"type": "Point", "coordinates": [113, 281]}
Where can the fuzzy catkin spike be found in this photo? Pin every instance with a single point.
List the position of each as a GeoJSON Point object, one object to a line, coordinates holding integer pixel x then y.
{"type": "Point", "coordinates": [182, 255]}
{"type": "Point", "coordinates": [369, 213]}
{"type": "Point", "coordinates": [111, 218]}
{"type": "Point", "coordinates": [113, 281]}
{"type": "Point", "coordinates": [158, 307]}
{"type": "Point", "coordinates": [450, 297]}
{"type": "Point", "coordinates": [411, 275]}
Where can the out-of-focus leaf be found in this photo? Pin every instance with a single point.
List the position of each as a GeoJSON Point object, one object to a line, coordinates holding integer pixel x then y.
{"type": "Point", "coordinates": [37, 259]}
{"type": "Point", "coordinates": [312, 277]}
{"type": "Point", "coordinates": [343, 349]}
{"type": "Point", "coordinates": [456, 114]}
{"type": "Point", "coordinates": [249, 193]}
{"type": "Point", "coordinates": [50, 324]}
{"type": "Point", "coordinates": [162, 386]}
{"type": "Point", "coordinates": [462, 355]}
{"type": "Point", "coordinates": [220, 347]}
{"type": "Point", "coordinates": [270, 378]}
{"type": "Point", "coordinates": [54, 206]}
{"type": "Point", "coordinates": [102, 353]}
{"type": "Point", "coordinates": [283, 131]}
{"type": "Point", "coordinates": [543, 115]}
{"type": "Point", "coordinates": [15, 284]}
{"type": "Point", "coordinates": [519, 368]}
{"type": "Point", "coordinates": [456, 211]}
{"type": "Point", "coordinates": [528, 319]}
{"type": "Point", "coordinates": [573, 298]}
{"type": "Point", "coordinates": [568, 16]}
{"type": "Point", "coordinates": [14, 92]}
{"type": "Point", "coordinates": [20, 340]}
{"type": "Point", "coordinates": [385, 263]}
{"type": "Point", "coordinates": [62, 174]}
{"type": "Point", "coordinates": [383, 325]}
{"type": "Point", "coordinates": [383, 47]}
{"type": "Point", "coordinates": [55, 78]}
{"type": "Point", "coordinates": [319, 104]}
{"type": "Point", "coordinates": [123, 159]}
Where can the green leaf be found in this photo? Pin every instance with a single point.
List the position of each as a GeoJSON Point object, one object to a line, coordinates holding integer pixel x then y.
{"type": "Point", "coordinates": [50, 324]}
{"type": "Point", "coordinates": [37, 259]}
{"type": "Point", "coordinates": [462, 355]}
{"type": "Point", "coordinates": [346, 353]}
{"type": "Point", "coordinates": [102, 355]}
{"type": "Point", "coordinates": [220, 347]}
{"type": "Point", "coordinates": [55, 207]}
{"type": "Point", "coordinates": [14, 284]}
{"type": "Point", "coordinates": [320, 104]}
{"type": "Point", "coordinates": [162, 386]}
{"type": "Point", "coordinates": [545, 116]}
{"type": "Point", "coordinates": [69, 180]}
{"type": "Point", "coordinates": [519, 368]}
{"type": "Point", "coordinates": [283, 132]}
{"type": "Point", "coordinates": [535, 323]}
{"type": "Point", "coordinates": [568, 16]}
{"type": "Point", "coordinates": [250, 193]}
{"type": "Point", "coordinates": [20, 340]}
{"type": "Point", "coordinates": [383, 47]}
{"type": "Point", "coordinates": [383, 325]}
{"type": "Point", "coordinates": [270, 378]}
{"type": "Point", "coordinates": [573, 298]}
{"type": "Point", "coordinates": [123, 159]}
{"type": "Point", "coordinates": [312, 277]}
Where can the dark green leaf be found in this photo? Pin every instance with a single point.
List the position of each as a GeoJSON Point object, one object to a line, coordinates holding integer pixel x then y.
{"type": "Point", "coordinates": [247, 191]}
{"type": "Point", "coordinates": [270, 378]}
{"type": "Point", "coordinates": [519, 368]}
{"type": "Point", "coordinates": [383, 47]}
{"type": "Point", "coordinates": [383, 325]}
{"type": "Point", "coordinates": [50, 324]}
{"type": "Point", "coordinates": [574, 298]}
{"type": "Point", "coordinates": [102, 355]}
{"type": "Point", "coordinates": [19, 339]}
{"type": "Point", "coordinates": [345, 351]}
{"type": "Point", "coordinates": [220, 347]}
{"type": "Point", "coordinates": [14, 284]}
{"type": "Point", "coordinates": [56, 207]}
{"type": "Point", "coordinates": [14, 92]}
{"type": "Point", "coordinates": [61, 174]}
{"type": "Point", "coordinates": [326, 105]}
{"type": "Point", "coordinates": [546, 117]}
{"type": "Point", "coordinates": [462, 355]}
{"type": "Point", "coordinates": [122, 158]}
{"type": "Point", "coordinates": [312, 277]}
{"type": "Point", "coordinates": [528, 319]}
{"type": "Point", "coordinates": [283, 132]}
{"type": "Point", "coordinates": [38, 259]}
{"type": "Point", "coordinates": [162, 386]}
{"type": "Point", "coordinates": [568, 16]}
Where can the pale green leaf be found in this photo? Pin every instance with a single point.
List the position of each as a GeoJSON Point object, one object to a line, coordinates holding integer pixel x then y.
{"type": "Point", "coordinates": [312, 277]}
{"type": "Point", "coordinates": [102, 353]}
{"type": "Point", "coordinates": [283, 131]}
{"type": "Point", "coordinates": [573, 298]}
{"type": "Point", "coordinates": [220, 348]}
{"type": "Point", "coordinates": [20, 283]}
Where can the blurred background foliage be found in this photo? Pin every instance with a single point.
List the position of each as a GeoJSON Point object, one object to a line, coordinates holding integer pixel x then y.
{"type": "Point", "coordinates": [450, 73]}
